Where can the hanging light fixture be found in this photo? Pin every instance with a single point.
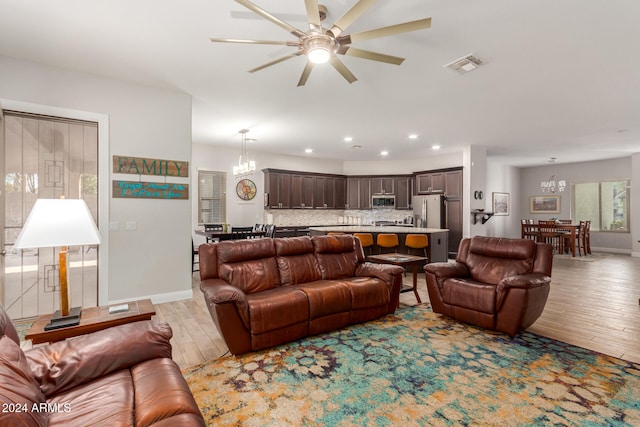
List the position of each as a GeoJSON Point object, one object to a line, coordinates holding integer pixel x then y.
{"type": "Point", "coordinates": [245, 166]}
{"type": "Point", "coordinates": [553, 185]}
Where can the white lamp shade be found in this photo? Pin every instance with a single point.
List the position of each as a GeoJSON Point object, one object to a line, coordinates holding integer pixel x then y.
{"type": "Point", "coordinates": [58, 222]}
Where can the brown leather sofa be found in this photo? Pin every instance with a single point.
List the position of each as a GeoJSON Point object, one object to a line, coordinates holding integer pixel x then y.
{"type": "Point", "coordinates": [496, 283]}
{"type": "Point", "coordinates": [122, 376]}
{"type": "Point", "coordinates": [265, 292]}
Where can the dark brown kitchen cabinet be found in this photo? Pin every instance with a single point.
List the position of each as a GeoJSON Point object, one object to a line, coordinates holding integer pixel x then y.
{"type": "Point", "coordinates": [433, 182]}
{"type": "Point", "coordinates": [404, 192]}
{"type": "Point", "coordinates": [353, 193]}
{"type": "Point", "coordinates": [340, 194]}
{"type": "Point", "coordinates": [382, 185]}
{"type": "Point", "coordinates": [365, 193]}
{"type": "Point", "coordinates": [453, 183]}
{"type": "Point", "coordinates": [278, 189]}
{"type": "Point", "coordinates": [302, 191]}
{"type": "Point", "coordinates": [324, 197]}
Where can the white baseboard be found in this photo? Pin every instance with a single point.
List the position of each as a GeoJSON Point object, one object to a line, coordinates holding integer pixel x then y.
{"type": "Point", "coordinates": [635, 254]}
{"type": "Point", "coordinates": [161, 298]}
{"type": "Point", "coordinates": [611, 250]}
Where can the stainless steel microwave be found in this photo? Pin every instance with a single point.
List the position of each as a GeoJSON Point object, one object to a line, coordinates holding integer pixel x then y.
{"type": "Point", "coordinates": [383, 201]}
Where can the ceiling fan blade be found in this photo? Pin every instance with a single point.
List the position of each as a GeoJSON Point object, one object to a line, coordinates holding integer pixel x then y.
{"type": "Point", "coordinates": [342, 69]}
{"type": "Point", "coordinates": [313, 13]}
{"type": "Point", "coordinates": [374, 56]}
{"type": "Point", "coordinates": [277, 42]}
{"type": "Point", "coordinates": [420, 24]}
{"type": "Point", "coordinates": [293, 30]}
{"type": "Point", "coordinates": [277, 61]}
{"type": "Point", "coordinates": [350, 16]}
{"type": "Point", "coordinates": [305, 73]}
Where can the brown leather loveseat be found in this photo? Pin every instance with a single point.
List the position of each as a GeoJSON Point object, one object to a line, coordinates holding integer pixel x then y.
{"type": "Point", "coordinates": [265, 292]}
{"type": "Point", "coordinates": [496, 283]}
{"type": "Point", "coordinates": [122, 376]}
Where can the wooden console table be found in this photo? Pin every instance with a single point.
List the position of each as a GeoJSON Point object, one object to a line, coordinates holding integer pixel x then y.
{"type": "Point", "coordinates": [91, 320]}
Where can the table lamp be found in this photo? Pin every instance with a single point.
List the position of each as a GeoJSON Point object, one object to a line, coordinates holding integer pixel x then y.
{"type": "Point", "coordinates": [59, 222]}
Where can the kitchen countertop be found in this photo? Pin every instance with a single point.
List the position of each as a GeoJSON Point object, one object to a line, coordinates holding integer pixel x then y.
{"type": "Point", "coordinates": [378, 229]}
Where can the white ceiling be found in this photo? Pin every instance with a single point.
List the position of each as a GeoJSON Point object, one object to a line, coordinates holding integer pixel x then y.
{"type": "Point", "coordinates": [561, 77]}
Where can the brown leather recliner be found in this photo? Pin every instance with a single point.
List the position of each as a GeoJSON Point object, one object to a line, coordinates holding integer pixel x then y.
{"type": "Point", "coordinates": [121, 376]}
{"type": "Point", "coordinates": [496, 283]}
{"type": "Point", "coordinates": [265, 292]}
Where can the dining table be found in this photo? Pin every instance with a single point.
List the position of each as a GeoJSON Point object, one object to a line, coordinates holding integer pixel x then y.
{"type": "Point", "coordinates": [571, 229]}
{"type": "Point", "coordinates": [230, 235]}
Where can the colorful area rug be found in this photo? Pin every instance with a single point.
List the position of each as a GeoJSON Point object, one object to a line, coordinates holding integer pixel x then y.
{"type": "Point", "coordinates": [418, 368]}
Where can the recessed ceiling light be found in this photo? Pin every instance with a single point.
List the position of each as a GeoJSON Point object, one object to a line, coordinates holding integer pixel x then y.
{"type": "Point", "coordinates": [384, 153]}
{"type": "Point", "coordinates": [356, 146]}
{"type": "Point", "coordinates": [348, 139]}
{"type": "Point", "coordinates": [435, 147]}
{"type": "Point", "coordinates": [413, 136]}
{"type": "Point", "coordinates": [308, 151]}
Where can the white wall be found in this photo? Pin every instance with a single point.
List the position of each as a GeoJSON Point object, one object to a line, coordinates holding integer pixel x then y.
{"type": "Point", "coordinates": [503, 179]}
{"type": "Point", "coordinates": [612, 169]}
{"type": "Point", "coordinates": [399, 167]}
{"type": "Point", "coordinates": [240, 212]}
{"type": "Point", "coordinates": [153, 260]}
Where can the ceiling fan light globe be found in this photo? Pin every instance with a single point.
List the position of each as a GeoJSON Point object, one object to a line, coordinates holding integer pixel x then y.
{"type": "Point", "coordinates": [319, 55]}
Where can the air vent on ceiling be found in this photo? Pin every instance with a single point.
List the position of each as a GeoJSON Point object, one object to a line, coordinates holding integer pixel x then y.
{"type": "Point", "coordinates": [465, 64]}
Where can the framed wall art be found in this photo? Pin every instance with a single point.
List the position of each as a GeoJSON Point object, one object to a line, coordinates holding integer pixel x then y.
{"type": "Point", "coordinates": [544, 204]}
{"type": "Point", "coordinates": [500, 203]}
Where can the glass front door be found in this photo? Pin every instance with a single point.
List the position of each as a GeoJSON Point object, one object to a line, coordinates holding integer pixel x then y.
{"type": "Point", "coordinates": [45, 157]}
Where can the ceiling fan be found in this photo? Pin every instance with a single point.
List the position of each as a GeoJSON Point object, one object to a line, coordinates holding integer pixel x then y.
{"type": "Point", "coordinates": [322, 45]}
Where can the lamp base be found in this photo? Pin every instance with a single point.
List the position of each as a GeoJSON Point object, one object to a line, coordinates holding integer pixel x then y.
{"type": "Point", "coordinates": [59, 321]}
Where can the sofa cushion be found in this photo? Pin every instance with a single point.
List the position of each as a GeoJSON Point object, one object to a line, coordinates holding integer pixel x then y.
{"type": "Point", "coordinates": [491, 259]}
{"type": "Point", "coordinates": [161, 392]}
{"type": "Point", "coordinates": [249, 264]}
{"type": "Point", "coordinates": [106, 401]}
{"type": "Point", "coordinates": [296, 260]}
{"type": "Point", "coordinates": [368, 292]}
{"type": "Point", "coordinates": [337, 256]}
{"type": "Point", "coordinates": [326, 297]}
{"type": "Point", "coordinates": [18, 389]}
{"type": "Point", "coordinates": [470, 294]}
{"type": "Point", "coordinates": [277, 308]}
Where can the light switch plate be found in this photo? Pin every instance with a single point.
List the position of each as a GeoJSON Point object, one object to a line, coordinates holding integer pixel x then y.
{"type": "Point", "coordinates": [114, 226]}
{"type": "Point", "coordinates": [130, 225]}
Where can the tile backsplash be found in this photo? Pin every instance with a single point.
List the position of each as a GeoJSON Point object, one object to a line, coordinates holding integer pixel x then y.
{"type": "Point", "coordinates": [296, 217]}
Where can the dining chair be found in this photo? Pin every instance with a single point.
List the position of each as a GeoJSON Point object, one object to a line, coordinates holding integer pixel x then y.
{"type": "Point", "coordinates": [195, 257]}
{"type": "Point", "coordinates": [529, 230]}
{"type": "Point", "coordinates": [548, 233]}
{"type": "Point", "coordinates": [213, 227]}
{"type": "Point", "coordinates": [240, 232]}
{"type": "Point", "coordinates": [587, 237]}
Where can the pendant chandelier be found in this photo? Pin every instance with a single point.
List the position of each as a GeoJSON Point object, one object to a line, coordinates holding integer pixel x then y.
{"type": "Point", "coordinates": [553, 185]}
{"type": "Point", "coordinates": [245, 165]}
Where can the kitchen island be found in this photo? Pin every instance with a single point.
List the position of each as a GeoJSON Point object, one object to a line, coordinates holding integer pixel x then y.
{"type": "Point", "coordinates": [437, 251]}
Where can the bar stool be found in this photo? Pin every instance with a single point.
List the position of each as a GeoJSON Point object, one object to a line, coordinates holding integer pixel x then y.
{"type": "Point", "coordinates": [387, 241]}
{"type": "Point", "coordinates": [366, 241]}
{"type": "Point", "coordinates": [334, 233]}
{"type": "Point", "coordinates": [417, 241]}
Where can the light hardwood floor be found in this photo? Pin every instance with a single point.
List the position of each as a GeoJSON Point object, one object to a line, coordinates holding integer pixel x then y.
{"type": "Point", "coordinates": [593, 304]}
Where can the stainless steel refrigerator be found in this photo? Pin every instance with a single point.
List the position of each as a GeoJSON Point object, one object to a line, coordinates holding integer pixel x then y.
{"type": "Point", "coordinates": [429, 211]}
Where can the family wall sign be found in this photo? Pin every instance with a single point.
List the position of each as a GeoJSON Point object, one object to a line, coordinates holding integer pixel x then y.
{"type": "Point", "coordinates": [150, 190]}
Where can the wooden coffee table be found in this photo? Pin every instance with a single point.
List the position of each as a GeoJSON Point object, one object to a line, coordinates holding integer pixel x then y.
{"type": "Point", "coordinates": [91, 320]}
{"type": "Point", "coordinates": [406, 261]}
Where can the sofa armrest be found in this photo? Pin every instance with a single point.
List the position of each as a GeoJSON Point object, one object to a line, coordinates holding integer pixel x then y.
{"type": "Point", "coordinates": [522, 281]}
{"type": "Point", "coordinates": [384, 272]}
{"type": "Point", "coordinates": [217, 291]}
{"type": "Point", "coordinates": [66, 364]}
{"type": "Point", "coordinates": [446, 270]}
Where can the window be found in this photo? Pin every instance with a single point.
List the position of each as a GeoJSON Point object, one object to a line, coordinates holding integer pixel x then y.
{"type": "Point", "coordinates": [212, 197]}
{"type": "Point", "coordinates": [605, 204]}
